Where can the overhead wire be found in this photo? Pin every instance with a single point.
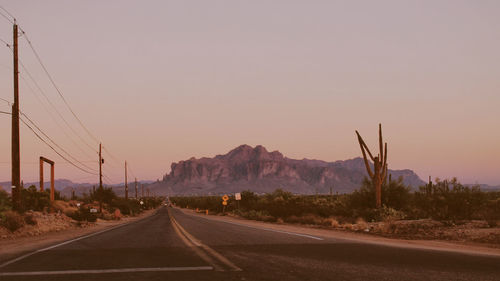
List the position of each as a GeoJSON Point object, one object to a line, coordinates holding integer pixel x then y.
{"type": "Point", "coordinates": [56, 87]}
{"type": "Point", "coordinates": [62, 156]}
{"type": "Point", "coordinates": [8, 13]}
{"type": "Point", "coordinates": [51, 147]}
{"type": "Point", "coordinates": [7, 18]}
{"type": "Point", "coordinates": [50, 139]}
{"type": "Point", "coordinates": [60, 93]}
{"type": "Point", "coordinates": [53, 106]}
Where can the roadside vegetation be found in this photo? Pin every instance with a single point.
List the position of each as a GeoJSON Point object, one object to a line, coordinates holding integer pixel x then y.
{"type": "Point", "coordinates": [443, 203]}
{"type": "Point", "coordinates": [101, 204]}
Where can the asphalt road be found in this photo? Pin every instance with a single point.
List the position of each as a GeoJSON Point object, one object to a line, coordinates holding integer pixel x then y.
{"type": "Point", "coordinates": [188, 247]}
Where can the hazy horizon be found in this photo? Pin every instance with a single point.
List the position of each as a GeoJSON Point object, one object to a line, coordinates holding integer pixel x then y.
{"type": "Point", "coordinates": [162, 81]}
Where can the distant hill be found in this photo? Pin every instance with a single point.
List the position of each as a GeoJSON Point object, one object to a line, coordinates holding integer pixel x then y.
{"type": "Point", "coordinates": [261, 171]}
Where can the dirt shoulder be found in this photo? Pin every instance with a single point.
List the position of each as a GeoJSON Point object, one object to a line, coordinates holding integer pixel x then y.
{"type": "Point", "coordinates": [440, 245]}
{"type": "Point", "coordinates": [15, 246]}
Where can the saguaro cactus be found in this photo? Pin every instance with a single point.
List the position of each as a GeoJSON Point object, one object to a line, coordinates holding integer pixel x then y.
{"type": "Point", "coordinates": [379, 172]}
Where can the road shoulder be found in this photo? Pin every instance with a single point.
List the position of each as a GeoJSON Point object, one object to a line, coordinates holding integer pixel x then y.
{"type": "Point", "coordinates": [355, 237]}
{"type": "Point", "coordinates": [11, 248]}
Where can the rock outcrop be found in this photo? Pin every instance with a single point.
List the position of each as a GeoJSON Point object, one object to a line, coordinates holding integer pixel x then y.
{"type": "Point", "coordinates": [258, 170]}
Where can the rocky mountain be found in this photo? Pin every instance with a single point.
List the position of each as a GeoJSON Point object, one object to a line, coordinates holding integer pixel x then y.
{"type": "Point", "coordinates": [256, 169]}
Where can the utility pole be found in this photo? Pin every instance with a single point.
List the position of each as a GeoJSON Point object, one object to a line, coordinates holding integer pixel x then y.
{"type": "Point", "coordinates": [135, 188]}
{"type": "Point", "coordinates": [142, 190]}
{"type": "Point", "coordinates": [101, 161]}
{"type": "Point", "coordinates": [16, 155]}
{"type": "Point", "coordinates": [126, 185]}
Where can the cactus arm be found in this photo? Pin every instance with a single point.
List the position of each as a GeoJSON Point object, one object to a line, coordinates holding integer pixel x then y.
{"type": "Point", "coordinates": [380, 142]}
{"type": "Point", "coordinates": [361, 142]}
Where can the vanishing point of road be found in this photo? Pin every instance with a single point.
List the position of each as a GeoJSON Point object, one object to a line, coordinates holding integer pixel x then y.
{"type": "Point", "coordinates": [174, 245]}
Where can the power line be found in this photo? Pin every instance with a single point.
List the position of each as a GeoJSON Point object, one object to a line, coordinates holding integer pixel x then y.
{"type": "Point", "coordinates": [7, 18]}
{"type": "Point", "coordinates": [57, 88]}
{"type": "Point", "coordinates": [5, 10]}
{"type": "Point", "coordinates": [62, 156]}
{"type": "Point", "coordinates": [36, 134]}
{"type": "Point", "coordinates": [5, 42]}
{"type": "Point", "coordinates": [50, 139]}
{"type": "Point", "coordinates": [54, 107]}
{"type": "Point", "coordinates": [92, 169]}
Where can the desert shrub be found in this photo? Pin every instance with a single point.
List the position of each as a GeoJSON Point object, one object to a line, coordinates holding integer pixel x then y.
{"type": "Point", "coordinates": [211, 203]}
{"type": "Point", "coordinates": [126, 206]}
{"type": "Point", "coordinates": [446, 200]}
{"type": "Point", "coordinates": [249, 200]}
{"type": "Point", "coordinates": [35, 200]}
{"type": "Point", "coordinates": [309, 219]}
{"type": "Point", "coordinates": [12, 221]}
{"type": "Point", "coordinates": [152, 202]}
{"type": "Point", "coordinates": [30, 219]}
{"type": "Point", "coordinates": [490, 212]}
{"type": "Point", "coordinates": [84, 214]}
{"type": "Point", "coordinates": [5, 201]}
{"type": "Point", "coordinates": [256, 215]}
{"type": "Point", "coordinates": [103, 195]}
{"type": "Point", "coordinates": [449, 200]}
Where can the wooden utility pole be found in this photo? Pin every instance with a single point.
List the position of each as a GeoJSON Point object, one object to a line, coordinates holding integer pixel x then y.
{"type": "Point", "coordinates": [135, 188]}
{"type": "Point", "coordinates": [16, 155]}
{"type": "Point", "coordinates": [126, 185]}
{"type": "Point", "coordinates": [142, 190]}
{"type": "Point", "coordinates": [101, 161]}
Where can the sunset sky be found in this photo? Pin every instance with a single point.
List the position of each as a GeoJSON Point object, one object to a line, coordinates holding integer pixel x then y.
{"type": "Point", "coordinates": [162, 81]}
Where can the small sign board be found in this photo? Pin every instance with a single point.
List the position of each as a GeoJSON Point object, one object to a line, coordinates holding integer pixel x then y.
{"type": "Point", "coordinates": [237, 196]}
{"type": "Point", "coordinates": [93, 210]}
{"type": "Point", "coordinates": [224, 203]}
{"type": "Point", "coordinates": [225, 197]}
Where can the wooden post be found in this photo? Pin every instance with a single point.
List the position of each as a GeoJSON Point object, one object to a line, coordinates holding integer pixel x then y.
{"type": "Point", "coordinates": [126, 185]}
{"type": "Point", "coordinates": [41, 174]}
{"type": "Point", "coordinates": [135, 188]}
{"type": "Point", "coordinates": [52, 188]}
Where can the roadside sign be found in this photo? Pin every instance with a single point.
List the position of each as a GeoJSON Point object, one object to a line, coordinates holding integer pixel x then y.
{"type": "Point", "coordinates": [225, 197]}
{"type": "Point", "coordinates": [224, 203]}
{"type": "Point", "coordinates": [93, 210]}
{"type": "Point", "coordinates": [237, 196]}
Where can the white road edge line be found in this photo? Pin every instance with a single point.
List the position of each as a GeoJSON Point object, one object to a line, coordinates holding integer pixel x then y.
{"type": "Point", "coordinates": [263, 228]}
{"type": "Point", "coordinates": [64, 243]}
{"type": "Point", "coordinates": [100, 271]}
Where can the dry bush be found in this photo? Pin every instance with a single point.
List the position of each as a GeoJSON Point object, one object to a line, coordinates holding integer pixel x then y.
{"type": "Point", "coordinates": [333, 222]}
{"type": "Point", "coordinates": [63, 206]}
{"type": "Point", "coordinates": [29, 218]}
{"type": "Point", "coordinates": [12, 221]}
{"type": "Point", "coordinates": [361, 224]}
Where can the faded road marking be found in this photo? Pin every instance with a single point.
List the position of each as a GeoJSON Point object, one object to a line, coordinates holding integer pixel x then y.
{"type": "Point", "coordinates": [208, 254]}
{"type": "Point", "coordinates": [100, 271]}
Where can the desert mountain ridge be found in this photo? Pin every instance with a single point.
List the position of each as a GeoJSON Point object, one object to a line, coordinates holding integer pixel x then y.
{"type": "Point", "coordinates": [256, 169]}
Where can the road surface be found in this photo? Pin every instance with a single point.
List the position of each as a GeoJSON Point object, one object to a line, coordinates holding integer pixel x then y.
{"type": "Point", "coordinates": [173, 245]}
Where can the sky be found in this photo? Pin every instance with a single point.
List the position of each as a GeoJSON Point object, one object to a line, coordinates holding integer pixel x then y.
{"type": "Point", "coordinates": [162, 81]}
